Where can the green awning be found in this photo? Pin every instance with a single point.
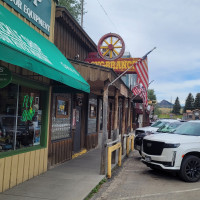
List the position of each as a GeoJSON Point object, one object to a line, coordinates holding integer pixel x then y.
{"type": "Point", "coordinates": [21, 45]}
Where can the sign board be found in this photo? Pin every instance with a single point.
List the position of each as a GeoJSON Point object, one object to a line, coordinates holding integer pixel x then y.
{"type": "Point", "coordinates": [36, 11]}
{"type": "Point", "coordinates": [5, 76]}
{"type": "Point", "coordinates": [119, 65]}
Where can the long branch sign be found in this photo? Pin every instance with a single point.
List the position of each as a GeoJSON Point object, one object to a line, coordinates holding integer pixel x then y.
{"type": "Point", "coordinates": [119, 65]}
{"type": "Point", "coordinates": [36, 11]}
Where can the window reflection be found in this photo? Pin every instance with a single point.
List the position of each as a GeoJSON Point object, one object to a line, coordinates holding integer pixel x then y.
{"type": "Point", "coordinates": [20, 117]}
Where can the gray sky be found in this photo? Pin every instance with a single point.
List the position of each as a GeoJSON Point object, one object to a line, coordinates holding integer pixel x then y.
{"type": "Point", "coordinates": [173, 26]}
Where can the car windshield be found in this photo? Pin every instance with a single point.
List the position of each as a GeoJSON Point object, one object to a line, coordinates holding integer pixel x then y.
{"type": "Point", "coordinates": [188, 128]}
{"type": "Point", "coordinates": [159, 124]}
{"type": "Point", "coordinates": [169, 127]}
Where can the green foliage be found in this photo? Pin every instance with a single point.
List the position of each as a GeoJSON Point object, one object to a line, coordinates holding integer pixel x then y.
{"type": "Point", "coordinates": [151, 94]}
{"type": "Point", "coordinates": [189, 103]}
{"type": "Point", "coordinates": [96, 189]}
{"type": "Point", "coordinates": [197, 101]}
{"type": "Point", "coordinates": [176, 107]}
{"type": "Point", "coordinates": [157, 111]}
{"type": "Point", "coordinates": [73, 6]}
{"type": "Point", "coordinates": [168, 116]}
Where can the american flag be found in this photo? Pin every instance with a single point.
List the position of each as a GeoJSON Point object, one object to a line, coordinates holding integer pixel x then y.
{"type": "Point", "coordinates": [141, 67]}
{"type": "Point", "coordinates": [140, 91]}
{"type": "Point", "coordinates": [137, 90]}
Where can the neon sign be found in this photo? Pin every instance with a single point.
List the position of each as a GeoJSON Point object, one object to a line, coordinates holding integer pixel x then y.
{"type": "Point", "coordinates": [28, 112]}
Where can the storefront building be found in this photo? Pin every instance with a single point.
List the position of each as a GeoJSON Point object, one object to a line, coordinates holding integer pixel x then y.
{"type": "Point", "coordinates": [30, 65]}
{"type": "Point", "coordinates": [85, 110]}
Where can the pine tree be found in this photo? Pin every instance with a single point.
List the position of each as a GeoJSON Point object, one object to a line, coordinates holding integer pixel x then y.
{"type": "Point", "coordinates": [197, 101]}
{"type": "Point", "coordinates": [73, 6]}
{"type": "Point", "coordinates": [189, 103]}
{"type": "Point", "coordinates": [176, 107]}
{"type": "Point", "coordinates": [151, 95]}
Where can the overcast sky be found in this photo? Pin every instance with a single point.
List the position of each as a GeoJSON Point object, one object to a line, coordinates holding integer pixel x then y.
{"type": "Point", "coordinates": [173, 26]}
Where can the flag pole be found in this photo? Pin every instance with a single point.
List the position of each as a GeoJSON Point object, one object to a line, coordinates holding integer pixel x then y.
{"type": "Point", "coordinates": [130, 67]}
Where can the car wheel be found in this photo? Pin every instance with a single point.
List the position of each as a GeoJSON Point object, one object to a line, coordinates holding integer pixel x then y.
{"type": "Point", "coordinates": [190, 169]}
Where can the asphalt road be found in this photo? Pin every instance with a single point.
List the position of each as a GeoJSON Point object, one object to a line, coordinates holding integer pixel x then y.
{"type": "Point", "coordinates": [136, 181]}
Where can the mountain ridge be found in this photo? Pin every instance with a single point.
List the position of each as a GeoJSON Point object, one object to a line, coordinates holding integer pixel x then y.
{"type": "Point", "coordinates": [165, 104]}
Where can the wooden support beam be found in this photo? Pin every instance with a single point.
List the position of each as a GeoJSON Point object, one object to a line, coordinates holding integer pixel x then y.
{"type": "Point", "coordinates": [129, 114]}
{"type": "Point", "coordinates": [123, 123]}
{"type": "Point", "coordinates": [105, 131]}
{"type": "Point", "coordinates": [115, 133]}
{"type": "Point", "coordinates": [116, 109]}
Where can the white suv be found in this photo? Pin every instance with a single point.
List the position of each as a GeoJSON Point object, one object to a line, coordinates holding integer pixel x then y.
{"type": "Point", "coordinates": [177, 151]}
{"type": "Point", "coordinates": [154, 127]}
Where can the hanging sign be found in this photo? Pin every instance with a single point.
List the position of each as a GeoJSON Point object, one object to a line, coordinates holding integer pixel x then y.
{"type": "Point", "coordinates": [5, 76]}
{"type": "Point", "coordinates": [36, 11]}
{"type": "Point", "coordinates": [119, 65]}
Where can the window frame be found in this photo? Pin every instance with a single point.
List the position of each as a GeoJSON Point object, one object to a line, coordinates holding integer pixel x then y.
{"type": "Point", "coordinates": [66, 99]}
{"type": "Point", "coordinates": [16, 79]}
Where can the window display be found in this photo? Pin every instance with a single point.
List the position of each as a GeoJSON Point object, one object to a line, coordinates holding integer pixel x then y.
{"type": "Point", "coordinates": [61, 117]}
{"type": "Point", "coordinates": [20, 117]}
{"type": "Point", "coordinates": [62, 107]}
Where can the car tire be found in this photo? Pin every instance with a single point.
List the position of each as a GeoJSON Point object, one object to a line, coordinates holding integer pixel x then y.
{"type": "Point", "coordinates": [190, 169]}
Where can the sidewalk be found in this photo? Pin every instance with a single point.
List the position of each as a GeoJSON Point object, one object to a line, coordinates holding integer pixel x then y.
{"type": "Point", "coordinates": [72, 180]}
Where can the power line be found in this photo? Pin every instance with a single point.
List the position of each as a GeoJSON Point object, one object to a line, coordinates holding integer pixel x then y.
{"type": "Point", "coordinates": [107, 15]}
{"type": "Point", "coordinates": [104, 10]}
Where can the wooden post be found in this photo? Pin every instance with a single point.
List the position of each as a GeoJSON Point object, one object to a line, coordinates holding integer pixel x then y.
{"type": "Point", "coordinates": [123, 123]}
{"type": "Point", "coordinates": [105, 132]}
{"type": "Point", "coordinates": [98, 114]}
{"type": "Point", "coordinates": [116, 109]}
{"type": "Point", "coordinates": [129, 114]}
{"type": "Point", "coordinates": [115, 133]}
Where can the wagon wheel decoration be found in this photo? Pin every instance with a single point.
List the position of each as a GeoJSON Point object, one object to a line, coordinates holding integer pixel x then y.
{"type": "Point", "coordinates": [111, 46]}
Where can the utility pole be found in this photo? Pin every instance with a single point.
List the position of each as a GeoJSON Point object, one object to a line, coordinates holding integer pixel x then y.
{"type": "Point", "coordinates": [82, 2]}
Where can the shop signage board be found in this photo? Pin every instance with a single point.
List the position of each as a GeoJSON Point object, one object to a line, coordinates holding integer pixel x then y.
{"type": "Point", "coordinates": [119, 65]}
{"type": "Point", "coordinates": [5, 76]}
{"type": "Point", "coordinates": [36, 11]}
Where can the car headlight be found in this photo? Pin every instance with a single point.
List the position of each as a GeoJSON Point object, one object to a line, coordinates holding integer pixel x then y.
{"type": "Point", "coordinates": [167, 145]}
{"type": "Point", "coordinates": [148, 133]}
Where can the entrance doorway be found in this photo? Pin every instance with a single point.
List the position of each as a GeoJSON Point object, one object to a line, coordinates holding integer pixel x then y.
{"type": "Point", "coordinates": [77, 134]}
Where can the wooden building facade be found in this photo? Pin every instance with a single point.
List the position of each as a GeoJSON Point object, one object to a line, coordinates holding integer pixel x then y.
{"type": "Point", "coordinates": [86, 112]}
{"type": "Point", "coordinates": [28, 73]}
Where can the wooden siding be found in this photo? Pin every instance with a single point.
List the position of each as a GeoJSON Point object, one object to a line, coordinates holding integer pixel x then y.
{"type": "Point", "coordinates": [60, 151]}
{"type": "Point", "coordinates": [68, 43]}
{"type": "Point", "coordinates": [19, 168]}
{"type": "Point", "coordinates": [92, 141]}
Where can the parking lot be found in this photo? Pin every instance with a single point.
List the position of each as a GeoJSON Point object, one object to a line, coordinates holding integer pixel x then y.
{"type": "Point", "coordinates": [136, 181]}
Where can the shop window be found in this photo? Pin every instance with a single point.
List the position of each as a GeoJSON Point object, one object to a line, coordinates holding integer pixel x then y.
{"type": "Point", "coordinates": [20, 117]}
{"type": "Point", "coordinates": [61, 118]}
{"type": "Point", "coordinates": [93, 111]}
{"type": "Point", "coordinates": [62, 107]}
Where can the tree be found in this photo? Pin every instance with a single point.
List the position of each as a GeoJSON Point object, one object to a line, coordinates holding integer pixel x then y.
{"type": "Point", "coordinates": [189, 103]}
{"type": "Point", "coordinates": [73, 6]}
{"type": "Point", "coordinates": [151, 94]}
{"type": "Point", "coordinates": [197, 101]}
{"type": "Point", "coordinates": [176, 107]}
